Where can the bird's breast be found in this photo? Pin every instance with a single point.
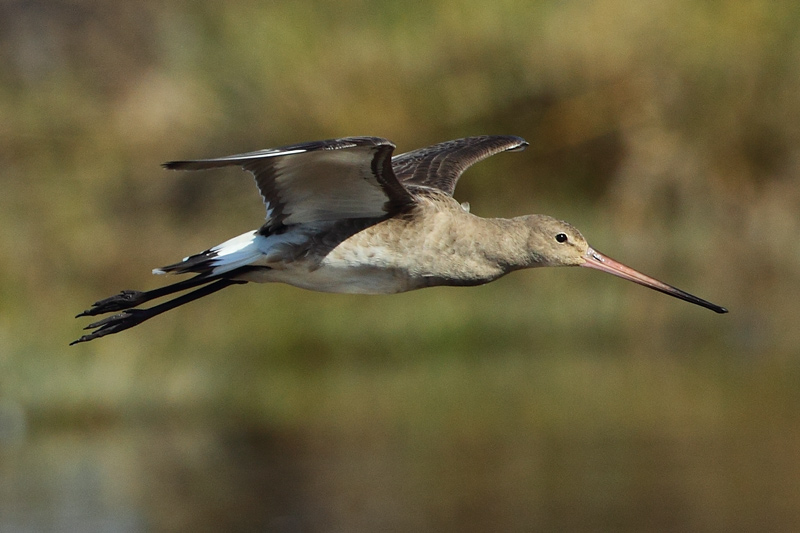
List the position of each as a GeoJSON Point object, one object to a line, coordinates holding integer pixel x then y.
{"type": "Point", "coordinates": [400, 255]}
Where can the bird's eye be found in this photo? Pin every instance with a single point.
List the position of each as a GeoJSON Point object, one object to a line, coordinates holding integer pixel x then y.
{"type": "Point", "coordinates": [561, 237]}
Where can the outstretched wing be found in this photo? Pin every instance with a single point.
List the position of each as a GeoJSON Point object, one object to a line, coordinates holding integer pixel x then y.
{"type": "Point", "coordinates": [439, 166]}
{"type": "Point", "coordinates": [334, 179]}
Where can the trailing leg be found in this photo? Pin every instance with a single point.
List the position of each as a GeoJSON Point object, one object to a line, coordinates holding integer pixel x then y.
{"type": "Point", "coordinates": [133, 317]}
{"type": "Point", "coordinates": [128, 298]}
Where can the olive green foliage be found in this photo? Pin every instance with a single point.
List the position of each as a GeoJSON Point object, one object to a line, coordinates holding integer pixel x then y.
{"type": "Point", "coordinates": [667, 132]}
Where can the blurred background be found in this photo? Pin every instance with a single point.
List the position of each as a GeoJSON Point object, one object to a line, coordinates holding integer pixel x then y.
{"type": "Point", "coordinates": [553, 399]}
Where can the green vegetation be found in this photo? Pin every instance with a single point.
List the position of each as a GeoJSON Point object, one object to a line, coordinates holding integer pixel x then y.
{"type": "Point", "coordinates": [668, 132]}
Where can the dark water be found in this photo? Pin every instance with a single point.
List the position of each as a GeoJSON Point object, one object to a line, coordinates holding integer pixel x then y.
{"type": "Point", "coordinates": [226, 476]}
{"type": "Point", "coordinates": [131, 479]}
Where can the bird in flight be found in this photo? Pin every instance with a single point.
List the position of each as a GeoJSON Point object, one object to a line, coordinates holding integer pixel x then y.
{"type": "Point", "coordinates": [345, 215]}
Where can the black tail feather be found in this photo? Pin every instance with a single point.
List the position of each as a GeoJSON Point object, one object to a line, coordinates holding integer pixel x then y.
{"type": "Point", "coordinates": [202, 263]}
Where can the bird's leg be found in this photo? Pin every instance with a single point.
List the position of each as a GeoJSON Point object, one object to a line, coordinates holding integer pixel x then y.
{"type": "Point", "coordinates": [133, 317]}
{"type": "Point", "coordinates": [127, 298]}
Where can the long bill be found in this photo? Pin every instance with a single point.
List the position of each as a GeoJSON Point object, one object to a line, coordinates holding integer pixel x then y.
{"type": "Point", "coordinates": [596, 260]}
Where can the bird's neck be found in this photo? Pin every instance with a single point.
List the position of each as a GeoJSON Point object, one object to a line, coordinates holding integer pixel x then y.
{"type": "Point", "coordinates": [505, 244]}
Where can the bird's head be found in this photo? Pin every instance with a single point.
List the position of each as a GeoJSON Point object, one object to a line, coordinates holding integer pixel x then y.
{"type": "Point", "coordinates": [553, 242]}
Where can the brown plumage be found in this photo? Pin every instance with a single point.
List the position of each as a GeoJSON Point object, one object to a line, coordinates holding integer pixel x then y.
{"type": "Point", "coordinates": [343, 215]}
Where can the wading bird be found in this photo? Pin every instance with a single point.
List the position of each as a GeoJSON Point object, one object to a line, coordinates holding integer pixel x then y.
{"type": "Point", "coordinates": [344, 215]}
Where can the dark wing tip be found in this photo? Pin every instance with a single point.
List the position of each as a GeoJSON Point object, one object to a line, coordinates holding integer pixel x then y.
{"type": "Point", "coordinates": [174, 165]}
{"type": "Point", "coordinates": [499, 143]}
{"type": "Point", "coordinates": [440, 166]}
{"type": "Point", "coordinates": [518, 144]}
{"type": "Point", "coordinates": [194, 165]}
{"type": "Point", "coordinates": [249, 158]}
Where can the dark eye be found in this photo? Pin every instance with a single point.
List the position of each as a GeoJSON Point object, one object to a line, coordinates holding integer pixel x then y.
{"type": "Point", "coordinates": [561, 237]}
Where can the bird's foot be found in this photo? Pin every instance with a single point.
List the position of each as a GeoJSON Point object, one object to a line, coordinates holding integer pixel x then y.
{"type": "Point", "coordinates": [124, 300]}
{"type": "Point", "coordinates": [115, 323]}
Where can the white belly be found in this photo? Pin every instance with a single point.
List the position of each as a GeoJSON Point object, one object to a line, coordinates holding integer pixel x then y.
{"type": "Point", "coordinates": [328, 278]}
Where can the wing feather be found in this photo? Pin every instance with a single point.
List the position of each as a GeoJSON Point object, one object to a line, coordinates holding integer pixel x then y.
{"type": "Point", "coordinates": [335, 179]}
{"type": "Point", "coordinates": [439, 166]}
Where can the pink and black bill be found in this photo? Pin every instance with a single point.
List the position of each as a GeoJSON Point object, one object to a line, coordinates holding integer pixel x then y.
{"type": "Point", "coordinates": [598, 261]}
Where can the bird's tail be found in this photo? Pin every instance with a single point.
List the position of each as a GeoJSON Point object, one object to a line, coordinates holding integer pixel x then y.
{"type": "Point", "coordinates": [230, 255]}
{"type": "Point", "coordinates": [216, 268]}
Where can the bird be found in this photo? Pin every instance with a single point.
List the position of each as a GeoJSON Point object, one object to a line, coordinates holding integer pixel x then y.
{"type": "Point", "coordinates": [347, 216]}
